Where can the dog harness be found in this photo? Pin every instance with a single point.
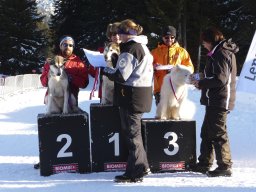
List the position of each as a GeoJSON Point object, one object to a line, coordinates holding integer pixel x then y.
{"type": "Point", "coordinates": [175, 92]}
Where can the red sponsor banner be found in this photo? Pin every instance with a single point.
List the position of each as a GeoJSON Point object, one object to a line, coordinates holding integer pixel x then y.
{"type": "Point", "coordinates": [115, 166]}
{"type": "Point", "coordinates": [172, 166]}
{"type": "Point", "coordinates": [71, 168]}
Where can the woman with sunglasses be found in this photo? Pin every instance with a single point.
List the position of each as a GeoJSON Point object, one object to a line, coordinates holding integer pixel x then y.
{"type": "Point", "coordinates": [169, 52]}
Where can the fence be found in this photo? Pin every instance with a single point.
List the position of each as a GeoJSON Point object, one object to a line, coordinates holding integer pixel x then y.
{"type": "Point", "coordinates": [20, 83]}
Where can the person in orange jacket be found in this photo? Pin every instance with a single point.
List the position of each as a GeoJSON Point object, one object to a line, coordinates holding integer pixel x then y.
{"type": "Point", "coordinates": [169, 52]}
{"type": "Point", "coordinates": [74, 67]}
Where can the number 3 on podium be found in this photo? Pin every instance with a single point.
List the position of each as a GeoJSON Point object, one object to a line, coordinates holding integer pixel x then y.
{"type": "Point", "coordinates": [171, 142]}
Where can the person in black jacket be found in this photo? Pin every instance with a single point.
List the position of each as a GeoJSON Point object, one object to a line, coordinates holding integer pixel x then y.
{"type": "Point", "coordinates": [218, 95]}
{"type": "Point", "coordinates": [133, 78]}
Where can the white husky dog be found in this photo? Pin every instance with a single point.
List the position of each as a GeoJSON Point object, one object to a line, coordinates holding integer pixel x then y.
{"type": "Point", "coordinates": [173, 101]}
{"type": "Point", "coordinates": [59, 99]}
{"type": "Point", "coordinates": [110, 51]}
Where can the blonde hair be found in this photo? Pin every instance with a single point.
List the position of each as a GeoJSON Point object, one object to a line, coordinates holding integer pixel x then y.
{"type": "Point", "coordinates": [112, 28]}
{"type": "Point", "coordinates": [129, 27]}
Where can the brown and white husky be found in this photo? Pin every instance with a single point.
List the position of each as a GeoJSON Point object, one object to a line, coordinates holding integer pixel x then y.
{"type": "Point", "coordinates": [59, 98]}
{"type": "Point", "coordinates": [111, 52]}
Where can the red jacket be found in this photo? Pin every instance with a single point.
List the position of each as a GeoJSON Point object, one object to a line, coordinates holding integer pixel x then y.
{"type": "Point", "coordinates": [75, 69]}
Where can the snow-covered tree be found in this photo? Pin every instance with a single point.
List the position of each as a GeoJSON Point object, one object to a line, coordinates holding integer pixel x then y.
{"type": "Point", "coordinates": [21, 39]}
{"type": "Point", "coordinates": [45, 8]}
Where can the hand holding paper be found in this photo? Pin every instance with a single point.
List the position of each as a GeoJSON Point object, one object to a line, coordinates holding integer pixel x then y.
{"type": "Point", "coordinates": [162, 67]}
{"type": "Point", "coordinates": [95, 58]}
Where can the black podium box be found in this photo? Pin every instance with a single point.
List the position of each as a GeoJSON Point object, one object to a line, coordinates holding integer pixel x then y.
{"type": "Point", "coordinates": [109, 152]}
{"type": "Point", "coordinates": [64, 143]}
{"type": "Point", "coordinates": [170, 144]}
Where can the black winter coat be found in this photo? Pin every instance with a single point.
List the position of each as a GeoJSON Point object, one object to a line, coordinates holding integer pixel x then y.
{"type": "Point", "coordinates": [218, 85]}
{"type": "Point", "coordinates": [134, 76]}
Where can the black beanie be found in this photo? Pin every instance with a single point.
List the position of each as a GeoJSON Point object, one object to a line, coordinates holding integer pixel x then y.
{"type": "Point", "coordinates": [169, 30]}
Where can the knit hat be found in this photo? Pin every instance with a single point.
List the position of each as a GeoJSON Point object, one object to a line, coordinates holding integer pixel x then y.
{"type": "Point", "coordinates": [169, 30]}
{"type": "Point", "coordinates": [66, 38]}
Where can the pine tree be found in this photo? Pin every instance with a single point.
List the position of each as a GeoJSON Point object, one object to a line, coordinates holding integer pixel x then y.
{"type": "Point", "coordinates": [86, 21]}
{"type": "Point", "coordinates": [22, 41]}
{"type": "Point", "coordinates": [235, 18]}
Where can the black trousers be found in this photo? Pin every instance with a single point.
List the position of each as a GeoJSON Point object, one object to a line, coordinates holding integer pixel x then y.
{"type": "Point", "coordinates": [137, 161]}
{"type": "Point", "coordinates": [215, 138]}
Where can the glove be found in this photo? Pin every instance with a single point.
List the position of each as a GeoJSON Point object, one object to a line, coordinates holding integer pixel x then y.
{"type": "Point", "coordinates": [196, 76]}
{"type": "Point", "coordinates": [113, 74]}
{"type": "Point", "coordinates": [69, 79]}
{"type": "Point", "coordinates": [109, 72]}
{"type": "Point", "coordinates": [114, 58]}
{"type": "Point", "coordinates": [193, 80]}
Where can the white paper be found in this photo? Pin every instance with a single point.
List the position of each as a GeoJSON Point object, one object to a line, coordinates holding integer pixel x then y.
{"type": "Point", "coordinates": [163, 67]}
{"type": "Point", "coordinates": [95, 58]}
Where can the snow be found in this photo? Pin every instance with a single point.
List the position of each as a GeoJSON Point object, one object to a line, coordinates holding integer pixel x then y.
{"type": "Point", "coordinates": [19, 151]}
{"type": "Point", "coordinates": [45, 8]}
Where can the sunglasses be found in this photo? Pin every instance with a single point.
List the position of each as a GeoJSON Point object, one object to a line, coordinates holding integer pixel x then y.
{"type": "Point", "coordinates": [67, 45]}
{"type": "Point", "coordinates": [169, 37]}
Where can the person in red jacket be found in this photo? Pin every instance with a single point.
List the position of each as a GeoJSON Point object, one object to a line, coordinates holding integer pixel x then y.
{"type": "Point", "coordinates": [74, 67]}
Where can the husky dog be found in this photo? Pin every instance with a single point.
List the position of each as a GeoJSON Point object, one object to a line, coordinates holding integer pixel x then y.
{"type": "Point", "coordinates": [59, 99]}
{"type": "Point", "coordinates": [111, 53]}
{"type": "Point", "coordinates": [173, 93]}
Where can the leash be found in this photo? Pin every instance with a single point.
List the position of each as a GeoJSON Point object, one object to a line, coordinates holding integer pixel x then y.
{"type": "Point", "coordinates": [96, 79]}
{"type": "Point", "coordinates": [175, 92]}
{"type": "Point", "coordinates": [69, 100]}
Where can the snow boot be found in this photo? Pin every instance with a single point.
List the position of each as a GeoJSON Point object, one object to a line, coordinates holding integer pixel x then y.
{"type": "Point", "coordinates": [218, 172]}
{"type": "Point", "coordinates": [126, 179]}
{"type": "Point", "coordinates": [37, 166]}
{"type": "Point", "coordinates": [146, 172]}
{"type": "Point", "coordinates": [198, 168]}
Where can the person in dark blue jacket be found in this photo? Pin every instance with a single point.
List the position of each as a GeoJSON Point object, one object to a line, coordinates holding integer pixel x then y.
{"type": "Point", "coordinates": [218, 95]}
{"type": "Point", "coordinates": [133, 78]}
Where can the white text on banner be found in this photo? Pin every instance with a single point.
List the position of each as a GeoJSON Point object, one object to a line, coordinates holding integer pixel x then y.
{"type": "Point", "coordinates": [247, 79]}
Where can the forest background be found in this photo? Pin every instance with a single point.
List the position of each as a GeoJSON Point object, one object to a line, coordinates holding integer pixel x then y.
{"type": "Point", "coordinates": [30, 29]}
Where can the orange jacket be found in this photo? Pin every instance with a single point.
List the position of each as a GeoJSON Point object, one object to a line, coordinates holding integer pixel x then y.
{"type": "Point", "coordinates": [164, 55]}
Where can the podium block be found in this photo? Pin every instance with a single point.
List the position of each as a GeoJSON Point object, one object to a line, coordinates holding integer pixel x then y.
{"type": "Point", "coordinates": [109, 152]}
{"type": "Point", "coordinates": [64, 143]}
{"type": "Point", "coordinates": [170, 144]}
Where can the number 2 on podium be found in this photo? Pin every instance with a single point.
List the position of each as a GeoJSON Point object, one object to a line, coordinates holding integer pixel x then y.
{"type": "Point", "coordinates": [62, 152]}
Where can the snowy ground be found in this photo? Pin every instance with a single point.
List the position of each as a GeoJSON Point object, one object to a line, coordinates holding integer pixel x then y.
{"type": "Point", "coordinates": [19, 151]}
